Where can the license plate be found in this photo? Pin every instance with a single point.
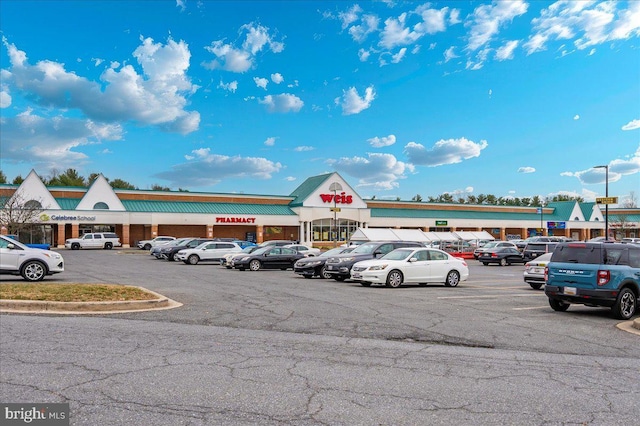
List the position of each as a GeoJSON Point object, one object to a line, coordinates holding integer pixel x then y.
{"type": "Point", "coordinates": [356, 275]}
{"type": "Point", "coordinates": [571, 291]}
{"type": "Point", "coordinates": [537, 270]}
{"type": "Point", "coordinates": [330, 268]}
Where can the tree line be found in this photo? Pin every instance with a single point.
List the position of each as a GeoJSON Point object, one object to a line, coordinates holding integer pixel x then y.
{"type": "Point", "coordinates": [71, 177]}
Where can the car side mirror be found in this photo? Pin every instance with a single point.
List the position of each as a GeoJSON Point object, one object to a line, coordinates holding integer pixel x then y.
{"type": "Point", "coordinates": [11, 246]}
{"type": "Point", "coordinates": [413, 259]}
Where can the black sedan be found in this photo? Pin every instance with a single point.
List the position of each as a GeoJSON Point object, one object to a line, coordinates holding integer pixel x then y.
{"type": "Point", "coordinates": [269, 257]}
{"type": "Point", "coordinates": [309, 267]}
{"type": "Point", "coordinates": [502, 256]}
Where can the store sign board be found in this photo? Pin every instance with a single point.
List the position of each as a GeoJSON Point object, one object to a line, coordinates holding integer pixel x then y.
{"type": "Point", "coordinates": [225, 219]}
{"type": "Point", "coordinates": [341, 198]}
{"type": "Point", "coordinates": [607, 200]}
{"type": "Point", "coordinates": [441, 223]}
{"type": "Point", "coordinates": [556, 225]}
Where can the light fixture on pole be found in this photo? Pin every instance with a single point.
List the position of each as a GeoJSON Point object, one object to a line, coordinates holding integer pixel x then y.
{"type": "Point", "coordinates": [606, 194]}
{"type": "Point", "coordinates": [335, 187]}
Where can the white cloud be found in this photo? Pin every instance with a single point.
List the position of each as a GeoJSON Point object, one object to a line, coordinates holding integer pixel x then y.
{"type": "Point", "coordinates": [155, 97]}
{"type": "Point", "coordinates": [433, 20]}
{"type": "Point", "coordinates": [449, 54]}
{"type": "Point", "coordinates": [350, 16]}
{"type": "Point", "coordinates": [632, 125]}
{"type": "Point", "coordinates": [239, 60]}
{"type": "Point", "coordinates": [284, 102]}
{"type": "Point", "coordinates": [205, 169]}
{"type": "Point", "coordinates": [506, 50]}
{"type": "Point", "coordinates": [377, 142]}
{"type": "Point", "coordinates": [182, 4]}
{"type": "Point", "coordinates": [576, 117]}
{"type": "Point", "coordinates": [589, 23]}
{"type": "Point", "coordinates": [231, 86]}
{"type": "Point", "coordinates": [303, 148]}
{"type": "Point", "coordinates": [270, 141]}
{"type": "Point", "coordinates": [5, 99]}
{"type": "Point", "coordinates": [448, 151]}
{"type": "Point", "coordinates": [377, 171]}
{"type": "Point", "coordinates": [617, 169]}
{"type": "Point", "coordinates": [398, 56]}
{"type": "Point", "coordinates": [277, 78]}
{"type": "Point", "coordinates": [290, 178]}
{"type": "Point", "coordinates": [526, 169]}
{"type": "Point", "coordinates": [363, 55]}
{"type": "Point", "coordinates": [51, 142]}
{"type": "Point", "coordinates": [261, 82]}
{"type": "Point", "coordinates": [369, 25]}
{"type": "Point", "coordinates": [395, 33]}
{"type": "Point", "coordinates": [352, 103]}
{"type": "Point", "coordinates": [487, 20]}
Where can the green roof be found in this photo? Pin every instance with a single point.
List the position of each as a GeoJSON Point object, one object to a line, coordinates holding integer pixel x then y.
{"type": "Point", "coordinates": [206, 208]}
{"type": "Point", "coordinates": [562, 209]}
{"type": "Point", "coordinates": [306, 188]}
{"type": "Point", "coordinates": [68, 203]}
{"type": "Point", "coordinates": [460, 214]}
{"type": "Point", "coordinates": [586, 208]}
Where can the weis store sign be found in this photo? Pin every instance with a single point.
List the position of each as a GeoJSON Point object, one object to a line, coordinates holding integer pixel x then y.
{"type": "Point", "coordinates": [341, 198]}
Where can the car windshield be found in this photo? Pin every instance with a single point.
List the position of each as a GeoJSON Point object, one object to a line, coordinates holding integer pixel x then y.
{"type": "Point", "coordinates": [398, 254]}
{"type": "Point", "coordinates": [489, 245]}
{"type": "Point", "coordinates": [366, 248]}
{"type": "Point", "coordinates": [262, 250]}
{"type": "Point", "coordinates": [334, 251]}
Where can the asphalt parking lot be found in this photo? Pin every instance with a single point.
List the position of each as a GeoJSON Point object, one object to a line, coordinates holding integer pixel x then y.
{"type": "Point", "coordinates": [271, 321]}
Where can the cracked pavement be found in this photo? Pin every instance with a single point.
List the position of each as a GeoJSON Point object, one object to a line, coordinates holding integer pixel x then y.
{"type": "Point", "coordinates": [273, 348]}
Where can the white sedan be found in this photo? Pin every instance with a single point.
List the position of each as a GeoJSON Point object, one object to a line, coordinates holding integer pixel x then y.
{"type": "Point", "coordinates": [306, 250]}
{"type": "Point", "coordinates": [411, 265]}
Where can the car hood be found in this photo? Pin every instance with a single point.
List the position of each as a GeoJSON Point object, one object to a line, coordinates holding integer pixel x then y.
{"type": "Point", "coordinates": [373, 262]}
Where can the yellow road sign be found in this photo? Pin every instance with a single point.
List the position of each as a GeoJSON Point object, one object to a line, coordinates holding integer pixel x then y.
{"type": "Point", "coordinates": [607, 200]}
{"type": "Point", "coordinates": [335, 209]}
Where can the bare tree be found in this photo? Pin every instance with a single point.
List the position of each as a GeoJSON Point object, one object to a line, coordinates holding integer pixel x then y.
{"type": "Point", "coordinates": [18, 213]}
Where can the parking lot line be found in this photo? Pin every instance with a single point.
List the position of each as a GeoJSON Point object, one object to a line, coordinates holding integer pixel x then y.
{"type": "Point", "coordinates": [530, 308]}
{"type": "Point", "coordinates": [489, 296]}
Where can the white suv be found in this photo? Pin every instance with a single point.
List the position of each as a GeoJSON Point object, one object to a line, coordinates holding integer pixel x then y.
{"type": "Point", "coordinates": [147, 244]}
{"type": "Point", "coordinates": [210, 251]}
{"type": "Point", "coordinates": [32, 263]}
{"type": "Point", "coordinates": [104, 240]}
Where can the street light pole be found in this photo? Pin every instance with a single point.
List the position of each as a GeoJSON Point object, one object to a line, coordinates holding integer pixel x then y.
{"type": "Point", "coordinates": [335, 187]}
{"type": "Point", "coordinates": [606, 206]}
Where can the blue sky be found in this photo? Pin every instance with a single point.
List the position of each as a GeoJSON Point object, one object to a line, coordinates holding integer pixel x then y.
{"type": "Point", "coordinates": [510, 98]}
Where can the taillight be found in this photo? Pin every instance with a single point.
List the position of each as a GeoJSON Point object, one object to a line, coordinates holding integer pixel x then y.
{"type": "Point", "coordinates": [603, 277]}
{"type": "Point", "coordinates": [546, 274]}
{"type": "Point", "coordinates": [494, 255]}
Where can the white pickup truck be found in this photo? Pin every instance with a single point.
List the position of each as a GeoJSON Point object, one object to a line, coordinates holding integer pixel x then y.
{"type": "Point", "coordinates": [103, 240]}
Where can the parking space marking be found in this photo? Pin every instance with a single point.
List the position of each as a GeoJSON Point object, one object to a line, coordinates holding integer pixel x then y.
{"type": "Point", "coordinates": [530, 308]}
{"type": "Point", "coordinates": [489, 296]}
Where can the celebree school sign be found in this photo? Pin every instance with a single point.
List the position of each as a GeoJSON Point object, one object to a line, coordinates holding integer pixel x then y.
{"type": "Point", "coordinates": [64, 218]}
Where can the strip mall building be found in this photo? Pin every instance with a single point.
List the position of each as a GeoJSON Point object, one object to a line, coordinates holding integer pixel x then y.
{"type": "Point", "coordinates": [320, 208]}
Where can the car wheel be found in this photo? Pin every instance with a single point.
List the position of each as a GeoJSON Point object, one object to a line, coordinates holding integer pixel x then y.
{"type": "Point", "coordinates": [193, 259]}
{"type": "Point", "coordinates": [503, 262]}
{"type": "Point", "coordinates": [339, 278]}
{"type": "Point", "coordinates": [308, 276]}
{"type": "Point", "coordinates": [324, 274]}
{"type": "Point", "coordinates": [394, 279]}
{"type": "Point", "coordinates": [227, 266]}
{"type": "Point", "coordinates": [108, 246]}
{"type": "Point", "coordinates": [171, 257]}
{"type": "Point", "coordinates": [625, 306]}
{"type": "Point", "coordinates": [33, 271]}
{"type": "Point", "coordinates": [453, 279]}
{"type": "Point", "coordinates": [535, 286]}
{"type": "Point", "coordinates": [557, 305]}
{"type": "Point", "coordinates": [147, 247]}
{"type": "Point", "coordinates": [365, 284]}
{"type": "Point", "coordinates": [254, 265]}
{"type": "Point", "coordinates": [75, 246]}
{"type": "Point", "coordinates": [485, 263]}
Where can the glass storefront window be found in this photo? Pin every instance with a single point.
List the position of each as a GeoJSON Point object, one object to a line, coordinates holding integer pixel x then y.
{"type": "Point", "coordinates": [323, 229]}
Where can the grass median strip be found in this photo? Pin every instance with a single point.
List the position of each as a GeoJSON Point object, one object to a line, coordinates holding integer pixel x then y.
{"type": "Point", "coordinates": [73, 292]}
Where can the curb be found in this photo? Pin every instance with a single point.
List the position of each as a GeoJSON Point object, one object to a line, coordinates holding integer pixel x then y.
{"type": "Point", "coordinates": [636, 324]}
{"type": "Point", "coordinates": [51, 307]}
